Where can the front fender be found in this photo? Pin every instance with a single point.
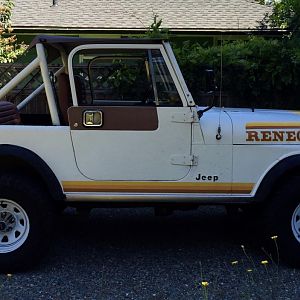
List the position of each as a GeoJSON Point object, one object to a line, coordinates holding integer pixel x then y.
{"type": "Point", "coordinates": [280, 172]}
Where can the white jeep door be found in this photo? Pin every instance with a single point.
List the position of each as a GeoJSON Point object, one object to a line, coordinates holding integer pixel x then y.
{"type": "Point", "coordinates": [131, 121]}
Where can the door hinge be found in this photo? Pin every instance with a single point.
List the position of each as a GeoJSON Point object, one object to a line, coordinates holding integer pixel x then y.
{"type": "Point", "coordinates": [184, 160]}
{"type": "Point", "coordinates": [188, 117]}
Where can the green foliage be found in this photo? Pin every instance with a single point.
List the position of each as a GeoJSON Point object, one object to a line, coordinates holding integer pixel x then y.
{"type": "Point", "coordinates": [285, 15]}
{"type": "Point", "coordinates": [9, 49]}
{"type": "Point", "coordinates": [122, 76]}
{"type": "Point", "coordinates": [155, 30]}
{"type": "Point", "coordinates": [257, 72]}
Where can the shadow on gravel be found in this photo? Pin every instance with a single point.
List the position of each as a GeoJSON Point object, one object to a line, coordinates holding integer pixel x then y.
{"type": "Point", "coordinates": [130, 253]}
{"type": "Point", "coordinates": [139, 230]}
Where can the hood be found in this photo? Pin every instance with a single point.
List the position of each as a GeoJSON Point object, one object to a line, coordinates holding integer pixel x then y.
{"type": "Point", "coordinates": [263, 126]}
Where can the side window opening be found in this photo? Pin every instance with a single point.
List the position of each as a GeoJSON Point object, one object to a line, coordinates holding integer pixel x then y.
{"type": "Point", "coordinates": [123, 77]}
{"type": "Point", "coordinates": [167, 94]}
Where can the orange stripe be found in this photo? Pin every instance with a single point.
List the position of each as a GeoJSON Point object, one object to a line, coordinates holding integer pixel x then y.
{"type": "Point", "coordinates": [157, 187]}
{"type": "Point", "coordinates": [242, 188]}
{"type": "Point", "coordinates": [270, 125]}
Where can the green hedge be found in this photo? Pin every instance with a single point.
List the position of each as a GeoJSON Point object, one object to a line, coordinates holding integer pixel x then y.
{"type": "Point", "coordinates": [258, 72]}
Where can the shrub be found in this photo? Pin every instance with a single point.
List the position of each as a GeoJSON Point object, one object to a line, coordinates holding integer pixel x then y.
{"type": "Point", "coordinates": [257, 72]}
{"type": "Point", "coordinates": [9, 49]}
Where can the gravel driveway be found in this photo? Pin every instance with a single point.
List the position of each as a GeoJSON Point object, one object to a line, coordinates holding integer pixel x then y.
{"type": "Point", "coordinates": [130, 254]}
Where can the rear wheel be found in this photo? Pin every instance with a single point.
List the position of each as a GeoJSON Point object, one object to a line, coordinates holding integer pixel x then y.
{"type": "Point", "coordinates": [25, 220]}
{"type": "Point", "coordinates": [282, 221]}
{"type": "Point", "coordinates": [14, 226]}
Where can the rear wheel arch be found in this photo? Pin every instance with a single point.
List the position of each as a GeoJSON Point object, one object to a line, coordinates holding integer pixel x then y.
{"type": "Point", "coordinates": [277, 176]}
{"type": "Point", "coordinates": [16, 158]}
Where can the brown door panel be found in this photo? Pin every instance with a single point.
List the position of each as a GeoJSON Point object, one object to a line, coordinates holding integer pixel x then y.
{"type": "Point", "coordinates": [116, 118]}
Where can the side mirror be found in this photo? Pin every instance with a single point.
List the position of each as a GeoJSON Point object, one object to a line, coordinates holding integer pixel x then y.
{"type": "Point", "coordinates": [209, 89]}
{"type": "Point", "coordinates": [210, 82]}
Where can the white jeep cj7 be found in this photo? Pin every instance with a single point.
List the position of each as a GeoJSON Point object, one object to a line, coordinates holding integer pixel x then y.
{"type": "Point", "coordinates": [122, 129]}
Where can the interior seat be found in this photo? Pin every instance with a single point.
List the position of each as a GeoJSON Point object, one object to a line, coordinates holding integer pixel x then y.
{"type": "Point", "coordinates": [65, 96]}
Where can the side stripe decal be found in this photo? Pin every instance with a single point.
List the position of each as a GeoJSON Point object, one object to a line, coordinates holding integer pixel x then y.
{"type": "Point", "coordinates": [272, 125]}
{"type": "Point", "coordinates": [157, 187]}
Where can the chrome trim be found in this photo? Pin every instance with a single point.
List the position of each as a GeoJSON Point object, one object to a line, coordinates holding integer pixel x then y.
{"type": "Point", "coordinates": [88, 118]}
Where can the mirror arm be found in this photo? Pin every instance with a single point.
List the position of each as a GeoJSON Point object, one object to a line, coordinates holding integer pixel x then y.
{"type": "Point", "coordinates": [201, 112]}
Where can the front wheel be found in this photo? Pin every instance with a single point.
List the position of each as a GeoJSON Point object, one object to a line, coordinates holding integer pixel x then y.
{"type": "Point", "coordinates": [25, 220]}
{"type": "Point", "coordinates": [282, 221]}
{"type": "Point", "coordinates": [295, 223]}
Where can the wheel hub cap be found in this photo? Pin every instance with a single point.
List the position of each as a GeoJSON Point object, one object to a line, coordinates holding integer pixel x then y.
{"type": "Point", "coordinates": [14, 226]}
{"type": "Point", "coordinates": [7, 221]}
{"type": "Point", "coordinates": [296, 223]}
{"type": "Point", "coordinates": [2, 226]}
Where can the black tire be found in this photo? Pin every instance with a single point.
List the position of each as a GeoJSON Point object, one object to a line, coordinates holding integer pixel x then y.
{"type": "Point", "coordinates": [24, 199]}
{"type": "Point", "coordinates": [278, 222]}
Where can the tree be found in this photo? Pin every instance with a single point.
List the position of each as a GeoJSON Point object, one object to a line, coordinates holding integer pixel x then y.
{"type": "Point", "coordinates": [257, 72]}
{"type": "Point", "coordinates": [155, 30]}
{"type": "Point", "coordinates": [285, 15]}
{"type": "Point", "coordinates": [9, 48]}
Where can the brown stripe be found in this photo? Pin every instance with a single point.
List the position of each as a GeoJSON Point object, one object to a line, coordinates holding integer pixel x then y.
{"type": "Point", "coordinates": [116, 118]}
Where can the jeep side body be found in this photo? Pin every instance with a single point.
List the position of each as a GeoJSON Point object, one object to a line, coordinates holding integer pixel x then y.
{"type": "Point", "coordinates": [122, 129]}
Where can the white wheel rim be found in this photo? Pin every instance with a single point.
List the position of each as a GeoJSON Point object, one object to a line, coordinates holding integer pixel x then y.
{"type": "Point", "coordinates": [296, 223]}
{"type": "Point", "coordinates": [14, 226]}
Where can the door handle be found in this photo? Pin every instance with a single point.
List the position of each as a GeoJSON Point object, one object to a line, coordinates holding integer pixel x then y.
{"type": "Point", "coordinates": [93, 118]}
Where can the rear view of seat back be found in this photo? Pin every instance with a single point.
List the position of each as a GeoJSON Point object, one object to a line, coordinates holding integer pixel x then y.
{"type": "Point", "coordinates": [65, 96]}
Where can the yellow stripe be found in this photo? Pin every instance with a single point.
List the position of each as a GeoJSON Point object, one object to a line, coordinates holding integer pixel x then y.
{"type": "Point", "coordinates": [157, 187]}
{"type": "Point", "coordinates": [242, 188]}
{"type": "Point", "coordinates": [272, 125]}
